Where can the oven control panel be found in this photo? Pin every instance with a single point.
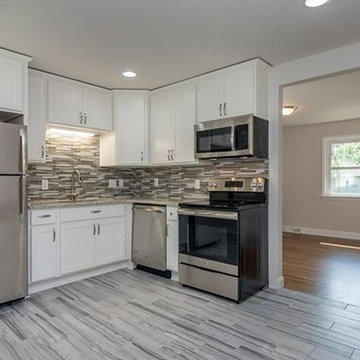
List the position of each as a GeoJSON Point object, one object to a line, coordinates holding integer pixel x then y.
{"type": "Point", "coordinates": [255, 184]}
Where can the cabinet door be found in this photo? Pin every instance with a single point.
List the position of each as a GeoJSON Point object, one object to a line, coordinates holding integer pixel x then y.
{"type": "Point", "coordinates": [65, 103]}
{"type": "Point", "coordinates": [239, 91]}
{"type": "Point", "coordinates": [44, 247]}
{"type": "Point", "coordinates": [97, 108]}
{"type": "Point", "coordinates": [78, 246]}
{"type": "Point", "coordinates": [111, 240]}
{"type": "Point", "coordinates": [162, 132]}
{"type": "Point", "coordinates": [36, 118]}
{"type": "Point", "coordinates": [209, 99]}
{"type": "Point", "coordinates": [184, 113]}
{"type": "Point", "coordinates": [130, 125]}
{"type": "Point", "coordinates": [11, 84]}
{"type": "Point", "coordinates": [172, 245]}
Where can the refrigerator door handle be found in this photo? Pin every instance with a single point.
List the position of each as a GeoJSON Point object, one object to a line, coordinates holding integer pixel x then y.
{"type": "Point", "coordinates": [22, 153]}
{"type": "Point", "coordinates": [22, 191]}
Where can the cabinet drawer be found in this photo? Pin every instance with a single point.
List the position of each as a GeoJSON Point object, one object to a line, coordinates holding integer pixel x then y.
{"type": "Point", "coordinates": [91, 212]}
{"type": "Point", "coordinates": [171, 213]}
{"type": "Point", "coordinates": [44, 217]}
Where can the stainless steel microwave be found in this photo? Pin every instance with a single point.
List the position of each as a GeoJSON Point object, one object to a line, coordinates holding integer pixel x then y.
{"type": "Point", "coordinates": [246, 136]}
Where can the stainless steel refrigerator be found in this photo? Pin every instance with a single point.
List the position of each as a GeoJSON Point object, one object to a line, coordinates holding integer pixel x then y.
{"type": "Point", "coordinates": [13, 212]}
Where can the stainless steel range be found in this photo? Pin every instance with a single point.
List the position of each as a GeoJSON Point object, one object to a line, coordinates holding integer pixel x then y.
{"type": "Point", "coordinates": [223, 242]}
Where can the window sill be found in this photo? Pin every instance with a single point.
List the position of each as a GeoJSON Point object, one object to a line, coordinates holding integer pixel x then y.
{"type": "Point", "coordinates": [339, 197]}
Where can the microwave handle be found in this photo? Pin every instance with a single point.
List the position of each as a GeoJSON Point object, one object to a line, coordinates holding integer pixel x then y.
{"type": "Point", "coordinates": [232, 138]}
{"type": "Point", "coordinates": [220, 109]}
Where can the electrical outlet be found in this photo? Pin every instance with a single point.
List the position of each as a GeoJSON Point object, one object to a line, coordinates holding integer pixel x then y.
{"type": "Point", "coordinates": [197, 184]}
{"type": "Point", "coordinates": [120, 183]}
{"type": "Point", "coordinates": [44, 184]}
{"type": "Point", "coordinates": [156, 182]}
{"type": "Point", "coordinates": [112, 184]}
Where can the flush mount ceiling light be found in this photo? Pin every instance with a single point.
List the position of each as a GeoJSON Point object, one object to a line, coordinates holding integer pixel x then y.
{"type": "Point", "coordinates": [315, 3]}
{"type": "Point", "coordinates": [288, 110]}
{"type": "Point", "coordinates": [129, 74]}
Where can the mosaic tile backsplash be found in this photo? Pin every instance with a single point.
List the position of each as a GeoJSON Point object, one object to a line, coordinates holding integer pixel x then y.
{"type": "Point", "coordinates": [67, 151]}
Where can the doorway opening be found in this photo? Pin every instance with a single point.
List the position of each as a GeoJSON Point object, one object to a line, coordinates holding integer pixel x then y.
{"type": "Point", "coordinates": [321, 187]}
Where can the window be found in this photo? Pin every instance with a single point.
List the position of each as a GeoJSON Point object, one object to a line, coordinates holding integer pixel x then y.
{"type": "Point", "coordinates": [341, 170]}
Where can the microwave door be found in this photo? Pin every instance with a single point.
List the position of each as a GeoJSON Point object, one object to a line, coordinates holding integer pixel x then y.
{"type": "Point", "coordinates": [243, 144]}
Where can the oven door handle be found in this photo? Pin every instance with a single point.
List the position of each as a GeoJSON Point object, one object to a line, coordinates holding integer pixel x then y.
{"type": "Point", "coordinates": [209, 214]}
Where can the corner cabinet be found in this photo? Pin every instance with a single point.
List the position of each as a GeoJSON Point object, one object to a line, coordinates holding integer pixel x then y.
{"type": "Point", "coordinates": [238, 90]}
{"type": "Point", "coordinates": [128, 144]}
{"type": "Point", "coordinates": [37, 115]}
{"type": "Point", "coordinates": [74, 104]}
{"type": "Point", "coordinates": [173, 116]}
{"type": "Point", "coordinates": [13, 82]}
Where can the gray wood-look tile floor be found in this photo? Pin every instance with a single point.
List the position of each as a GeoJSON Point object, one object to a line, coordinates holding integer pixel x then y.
{"type": "Point", "coordinates": [134, 315]}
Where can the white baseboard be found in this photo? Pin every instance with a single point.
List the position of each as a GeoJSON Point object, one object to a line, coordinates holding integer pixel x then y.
{"type": "Point", "coordinates": [67, 279]}
{"type": "Point", "coordinates": [321, 232]}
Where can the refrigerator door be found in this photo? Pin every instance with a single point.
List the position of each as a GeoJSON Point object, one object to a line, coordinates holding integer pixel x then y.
{"type": "Point", "coordinates": [12, 149]}
{"type": "Point", "coordinates": [13, 238]}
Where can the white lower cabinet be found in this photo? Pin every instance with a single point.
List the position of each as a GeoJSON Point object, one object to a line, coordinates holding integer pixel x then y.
{"type": "Point", "coordinates": [172, 250]}
{"type": "Point", "coordinates": [44, 250]}
{"type": "Point", "coordinates": [78, 246]}
{"type": "Point", "coordinates": [111, 240]}
{"type": "Point", "coordinates": [70, 240]}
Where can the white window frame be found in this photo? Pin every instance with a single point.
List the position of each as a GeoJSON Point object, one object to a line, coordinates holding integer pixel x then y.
{"type": "Point", "coordinates": [326, 174]}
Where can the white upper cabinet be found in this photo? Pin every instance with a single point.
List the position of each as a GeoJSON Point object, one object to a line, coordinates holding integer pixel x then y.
{"type": "Point", "coordinates": [75, 104]}
{"type": "Point", "coordinates": [173, 115]}
{"type": "Point", "coordinates": [97, 108]}
{"type": "Point", "coordinates": [239, 90]}
{"type": "Point", "coordinates": [65, 103]}
{"type": "Point", "coordinates": [128, 144]}
{"type": "Point", "coordinates": [13, 82]}
{"type": "Point", "coordinates": [184, 116]}
{"type": "Point", "coordinates": [37, 114]}
{"type": "Point", "coordinates": [162, 141]}
{"type": "Point", "coordinates": [209, 98]}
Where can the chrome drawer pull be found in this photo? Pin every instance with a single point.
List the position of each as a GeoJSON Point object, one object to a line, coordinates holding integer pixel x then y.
{"type": "Point", "coordinates": [95, 211]}
{"type": "Point", "coordinates": [44, 216]}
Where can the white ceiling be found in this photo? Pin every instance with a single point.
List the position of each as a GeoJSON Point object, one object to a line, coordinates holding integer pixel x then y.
{"type": "Point", "coordinates": [335, 98]}
{"type": "Point", "coordinates": [169, 40]}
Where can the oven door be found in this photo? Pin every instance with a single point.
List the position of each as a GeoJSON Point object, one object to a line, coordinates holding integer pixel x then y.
{"type": "Point", "coordinates": [211, 235]}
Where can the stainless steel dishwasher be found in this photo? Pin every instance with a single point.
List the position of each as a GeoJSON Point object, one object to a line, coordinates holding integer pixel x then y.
{"type": "Point", "coordinates": [149, 238]}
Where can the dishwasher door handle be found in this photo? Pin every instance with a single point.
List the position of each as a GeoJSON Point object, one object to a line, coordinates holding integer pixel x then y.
{"type": "Point", "coordinates": [150, 208]}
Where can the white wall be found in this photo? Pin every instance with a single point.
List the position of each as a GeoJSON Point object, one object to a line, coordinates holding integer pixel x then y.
{"type": "Point", "coordinates": [324, 64]}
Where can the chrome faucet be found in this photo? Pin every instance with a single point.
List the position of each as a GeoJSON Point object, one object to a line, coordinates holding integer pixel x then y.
{"type": "Point", "coordinates": [75, 175]}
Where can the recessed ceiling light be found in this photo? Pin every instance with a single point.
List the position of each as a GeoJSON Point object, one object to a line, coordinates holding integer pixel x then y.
{"type": "Point", "coordinates": [129, 74]}
{"type": "Point", "coordinates": [315, 3]}
{"type": "Point", "coordinates": [288, 110]}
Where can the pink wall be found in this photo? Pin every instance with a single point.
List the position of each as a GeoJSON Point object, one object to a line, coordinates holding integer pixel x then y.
{"type": "Point", "coordinates": [302, 180]}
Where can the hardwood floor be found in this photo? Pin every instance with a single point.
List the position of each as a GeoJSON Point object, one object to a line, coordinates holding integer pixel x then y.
{"type": "Point", "coordinates": [324, 270]}
{"type": "Point", "coordinates": [132, 315]}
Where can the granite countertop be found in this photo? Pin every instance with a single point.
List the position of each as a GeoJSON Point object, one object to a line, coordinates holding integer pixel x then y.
{"type": "Point", "coordinates": [61, 203]}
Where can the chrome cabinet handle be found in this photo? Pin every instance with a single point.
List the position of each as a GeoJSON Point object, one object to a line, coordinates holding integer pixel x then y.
{"type": "Point", "coordinates": [98, 229]}
{"type": "Point", "coordinates": [94, 229]}
{"type": "Point", "coordinates": [220, 109]}
{"type": "Point", "coordinates": [172, 154]}
{"type": "Point", "coordinates": [142, 156]}
{"type": "Point", "coordinates": [169, 155]}
{"type": "Point", "coordinates": [42, 151]}
{"type": "Point", "coordinates": [81, 117]}
{"type": "Point", "coordinates": [95, 211]}
{"type": "Point", "coordinates": [85, 118]}
{"type": "Point", "coordinates": [44, 216]}
{"type": "Point", "coordinates": [225, 109]}
{"type": "Point", "coordinates": [54, 234]}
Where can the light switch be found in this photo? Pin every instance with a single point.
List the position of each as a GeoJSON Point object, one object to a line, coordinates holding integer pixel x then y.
{"type": "Point", "coordinates": [112, 184]}
{"type": "Point", "coordinates": [197, 184]}
{"type": "Point", "coordinates": [120, 183]}
{"type": "Point", "coordinates": [156, 182]}
{"type": "Point", "coordinates": [44, 184]}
